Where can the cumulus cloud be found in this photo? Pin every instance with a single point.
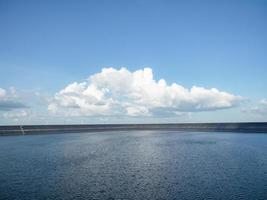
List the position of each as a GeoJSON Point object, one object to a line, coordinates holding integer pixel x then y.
{"type": "Point", "coordinates": [121, 92]}
{"type": "Point", "coordinates": [8, 101]}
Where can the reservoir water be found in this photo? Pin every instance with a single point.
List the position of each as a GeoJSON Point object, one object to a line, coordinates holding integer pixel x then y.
{"type": "Point", "coordinates": [134, 165]}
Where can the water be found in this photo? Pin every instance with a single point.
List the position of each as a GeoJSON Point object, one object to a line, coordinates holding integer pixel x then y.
{"type": "Point", "coordinates": [134, 165]}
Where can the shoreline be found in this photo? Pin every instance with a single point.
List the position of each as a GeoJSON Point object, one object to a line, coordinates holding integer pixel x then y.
{"type": "Point", "coordinates": [245, 127]}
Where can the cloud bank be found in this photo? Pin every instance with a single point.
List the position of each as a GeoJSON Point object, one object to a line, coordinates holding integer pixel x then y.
{"type": "Point", "coordinates": [115, 92]}
{"type": "Point", "coordinates": [7, 101]}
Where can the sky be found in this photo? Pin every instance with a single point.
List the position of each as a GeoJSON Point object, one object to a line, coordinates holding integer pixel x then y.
{"type": "Point", "coordinates": [134, 61]}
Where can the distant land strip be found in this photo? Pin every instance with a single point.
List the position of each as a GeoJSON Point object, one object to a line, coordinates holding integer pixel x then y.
{"type": "Point", "coordinates": [245, 127]}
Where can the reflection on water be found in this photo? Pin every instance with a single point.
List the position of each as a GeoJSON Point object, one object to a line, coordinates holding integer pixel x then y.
{"type": "Point", "coordinates": [134, 165]}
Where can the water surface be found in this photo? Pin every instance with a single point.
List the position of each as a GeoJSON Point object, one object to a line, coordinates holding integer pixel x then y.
{"type": "Point", "coordinates": [134, 165]}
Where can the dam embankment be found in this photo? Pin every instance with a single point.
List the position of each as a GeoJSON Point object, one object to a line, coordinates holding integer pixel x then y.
{"type": "Point", "coordinates": [252, 127]}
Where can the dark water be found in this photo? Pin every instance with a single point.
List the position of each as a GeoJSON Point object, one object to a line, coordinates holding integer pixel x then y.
{"type": "Point", "coordinates": [134, 165]}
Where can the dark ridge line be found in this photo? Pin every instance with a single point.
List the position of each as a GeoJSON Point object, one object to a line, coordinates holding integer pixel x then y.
{"type": "Point", "coordinates": [246, 127]}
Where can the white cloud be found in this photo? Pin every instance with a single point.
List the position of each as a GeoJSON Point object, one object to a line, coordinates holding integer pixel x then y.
{"type": "Point", "coordinates": [121, 92]}
{"type": "Point", "coordinates": [260, 108]}
{"type": "Point", "coordinates": [2, 93]}
{"type": "Point", "coordinates": [15, 115]}
{"type": "Point", "coordinates": [263, 102]}
{"type": "Point", "coordinates": [8, 100]}
{"type": "Point", "coordinates": [13, 91]}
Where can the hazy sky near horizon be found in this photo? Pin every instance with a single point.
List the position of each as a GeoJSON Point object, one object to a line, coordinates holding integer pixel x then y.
{"type": "Point", "coordinates": [132, 61]}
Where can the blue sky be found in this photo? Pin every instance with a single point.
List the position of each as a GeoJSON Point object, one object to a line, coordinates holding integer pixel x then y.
{"type": "Point", "coordinates": [48, 45]}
